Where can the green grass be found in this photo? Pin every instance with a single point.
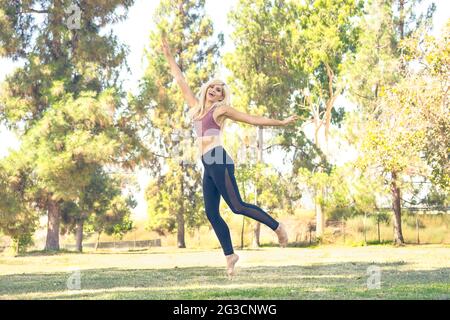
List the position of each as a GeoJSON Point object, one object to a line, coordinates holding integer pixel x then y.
{"type": "Point", "coordinates": [325, 272]}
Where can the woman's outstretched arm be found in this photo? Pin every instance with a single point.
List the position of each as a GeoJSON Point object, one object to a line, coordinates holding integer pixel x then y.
{"type": "Point", "coordinates": [236, 115]}
{"type": "Point", "coordinates": [178, 75]}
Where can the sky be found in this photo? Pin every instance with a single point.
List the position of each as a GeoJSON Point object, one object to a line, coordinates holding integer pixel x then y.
{"type": "Point", "coordinates": [134, 32]}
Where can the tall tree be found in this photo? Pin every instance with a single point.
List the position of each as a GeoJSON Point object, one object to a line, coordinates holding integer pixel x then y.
{"type": "Point", "coordinates": [283, 47]}
{"type": "Point", "coordinates": [327, 36]}
{"type": "Point", "coordinates": [379, 75]}
{"type": "Point", "coordinates": [262, 80]}
{"type": "Point", "coordinates": [65, 101]}
{"type": "Point", "coordinates": [190, 34]}
{"type": "Point", "coordinates": [428, 91]}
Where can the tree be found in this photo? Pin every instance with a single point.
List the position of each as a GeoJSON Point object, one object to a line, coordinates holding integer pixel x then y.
{"type": "Point", "coordinates": [101, 206]}
{"type": "Point", "coordinates": [392, 137]}
{"type": "Point", "coordinates": [17, 217]}
{"type": "Point", "coordinates": [160, 194]}
{"type": "Point", "coordinates": [428, 91]}
{"type": "Point", "coordinates": [327, 36]}
{"type": "Point", "coordinates": [113, 219]}
{"type": "Point", "coordinates": [65, 102]}
{"type": "Point", "coordinates": [283, 47]}
{"type": "Point", "coordinates": [189, 33]}
{"type": "Point", "coordinates": [262, 79]}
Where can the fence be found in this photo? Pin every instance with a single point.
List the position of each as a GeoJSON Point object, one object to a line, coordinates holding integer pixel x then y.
{"type": "Point", "coordinates": [419, 226]}
{"type": "Point", "coordinates": [120, 244]}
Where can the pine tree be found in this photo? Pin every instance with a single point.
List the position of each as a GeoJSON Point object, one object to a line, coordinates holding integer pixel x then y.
{"type": "Point", "coordinates": [175, 201]}
{"type": "Point", "coordinates": [65, 102]}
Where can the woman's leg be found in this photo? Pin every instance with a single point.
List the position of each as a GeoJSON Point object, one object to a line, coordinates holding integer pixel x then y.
{"type": "Point", "coordinates": [211, 198]}
{"type": "Point", "coordinates": [225, 181]}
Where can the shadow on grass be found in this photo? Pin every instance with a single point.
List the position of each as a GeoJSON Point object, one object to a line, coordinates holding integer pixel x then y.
{"type": "Point", "coordinates": [37, 253]}
{"type": "Point", "coordinates": [313, 245]}
{"type": "Point", "coordinates": [34, 253]}
{"type": "Point", "coordinates": [317, 281]}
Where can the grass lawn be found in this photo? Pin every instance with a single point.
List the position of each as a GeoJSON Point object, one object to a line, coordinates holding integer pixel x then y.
{"type": "Point", "coordinates": [326, 272]}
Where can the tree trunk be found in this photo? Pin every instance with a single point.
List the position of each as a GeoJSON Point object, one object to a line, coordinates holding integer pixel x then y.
{"type": "Point", "coordinates": [417, 227]}
{"type": "Point", "coordinates": [98, 240]}
{"type": "Point", "coordinates": [257, 228]}
{"type": "Point", "coordinates": [242, 233]}
{"type": "Point", "coordinates": [256, 233]}
{"type": "Point", "coordinates": [401, 20]}
{"type": "Point", "coordinates": [398, 235]}
{"type": "Point", "coordinates": [52, 242]}
{"type": "Point", "coordinates": [257, 225]}
{"type": "Point", "coordinates": [343, 227]}
{"type": "Point", "coordinates": [180, 230]}
{"type": "Point", "coordinates": [180, 215]}
{"type": "Point", "coordinates": [364, 229]}
{"type": "Point", "coordinates": [17, 246]}
{"type": "Point", "coordinates": [401, 29]}
{"type": "Point", "coordinates": [79, 235]}
{"type": "Point", "coordinates": [243, 218]}
{"type": "Point", "coordinates": [378, 228]}
{"type": "Point", "coordinates": [198, 236]}
{"type": "Point", "coordinates": [320, 219]}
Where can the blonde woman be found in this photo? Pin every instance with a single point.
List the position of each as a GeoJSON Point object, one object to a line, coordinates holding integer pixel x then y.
{"type": "Point", "coordinates": [209, 110]}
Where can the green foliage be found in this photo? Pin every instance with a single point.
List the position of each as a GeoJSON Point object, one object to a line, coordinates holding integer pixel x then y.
{"type": "Point", "coordinates": [122, 226]}
{"type": "Point", "coordinates": [166, 194]}
{"type": "Point", "coordinates": [101, 206]}
{"type": "Point", "coordinates": [347, 192]}
{"type": "Point", "coordinates": [70, 141]}
{"type": "Point", "coordinates": [56, 58]}
{"type": "Point", "coordinates": [436, 198]}
{"type": "Point", "coordinates": [65, 101]}
{"type": "Point", "coordinates": [288, 60]}
{"type": "Point", "coordinates": [190, 35]}
{"type": "Point", "coordinates": [426, 90]}
{"type": "Point", "coordinates": [393, 135]}
{"type": "Point", "coordinates": [275, 192]}
{"type": "Point", "coordinates": [22, 241]}
{"type": "Point", "coordinates": [18, 217]}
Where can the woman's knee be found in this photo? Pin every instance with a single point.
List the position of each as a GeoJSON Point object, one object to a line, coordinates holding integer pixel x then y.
{"type": "Point", "coordinates": [212, 215]}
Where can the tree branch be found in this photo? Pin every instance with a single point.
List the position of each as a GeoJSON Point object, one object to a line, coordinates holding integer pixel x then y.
{"type": "Point", "coordinates": [31, 10]}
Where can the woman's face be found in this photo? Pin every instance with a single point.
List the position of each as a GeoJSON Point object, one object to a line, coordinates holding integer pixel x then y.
{"type": "Point", "coordinates": [214, 93]}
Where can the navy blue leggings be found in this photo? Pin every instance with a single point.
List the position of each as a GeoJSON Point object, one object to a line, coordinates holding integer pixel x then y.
{"type": "Point", "coordinates": [219, 180]}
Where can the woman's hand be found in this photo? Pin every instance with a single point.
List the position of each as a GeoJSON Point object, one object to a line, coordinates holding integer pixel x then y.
{"type": "Point", "coordinates": [290, 119]}
{"type": "Point", "coordinates": [177, 74]}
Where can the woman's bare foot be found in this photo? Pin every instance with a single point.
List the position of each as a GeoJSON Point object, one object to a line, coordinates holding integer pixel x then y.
{"type": "Point", "coordinates": [231, 261]}
{"type": "Point", "coordinates": [282, 235]}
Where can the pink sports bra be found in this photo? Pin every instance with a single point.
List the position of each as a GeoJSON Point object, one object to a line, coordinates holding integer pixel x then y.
{"type": "Point", "coordinates": [206, 126]}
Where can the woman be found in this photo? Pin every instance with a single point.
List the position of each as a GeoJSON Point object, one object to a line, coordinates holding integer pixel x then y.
{"type": "Point", "coordinates": [209, 111]}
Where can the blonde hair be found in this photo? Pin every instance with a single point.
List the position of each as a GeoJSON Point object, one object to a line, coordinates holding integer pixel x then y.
{"type": "Point", "coordinates": [198, 110]}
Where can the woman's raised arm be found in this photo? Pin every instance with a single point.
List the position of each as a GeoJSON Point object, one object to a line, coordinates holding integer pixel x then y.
{"type": "Point", "coordinates": [178, 75]}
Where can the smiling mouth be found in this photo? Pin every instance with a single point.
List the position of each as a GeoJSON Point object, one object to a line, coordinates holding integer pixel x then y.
{"type": "Point", "coordinates": [210, 94]}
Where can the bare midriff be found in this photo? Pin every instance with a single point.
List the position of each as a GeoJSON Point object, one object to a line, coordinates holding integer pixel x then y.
{"type": "Point", "coordinates": [206, 143]}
